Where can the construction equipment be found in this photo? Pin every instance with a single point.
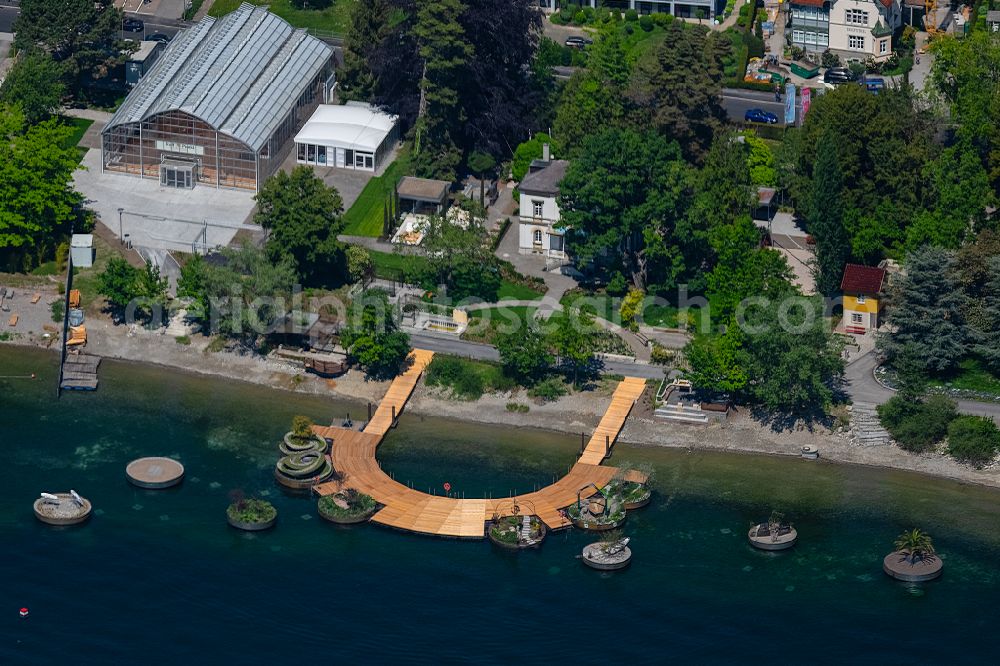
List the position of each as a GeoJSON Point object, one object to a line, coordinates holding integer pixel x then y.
{"type": "Point", "coordinates": [74, 298]}
{"type": "Point", "coordinates": [930, 17]}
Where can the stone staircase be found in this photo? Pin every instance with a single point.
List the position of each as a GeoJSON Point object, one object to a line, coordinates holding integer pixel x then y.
{"type": "Point", "coordinates": [866, 428]}
{"type": "Point", "coordinates": [525, 529]}
{"type": "Point", "coordinates": [682, 413]}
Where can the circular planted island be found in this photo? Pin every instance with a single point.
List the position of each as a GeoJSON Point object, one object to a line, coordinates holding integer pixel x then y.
{"type": "Point", "coordinates": [914, 560]}
{"type": "Point", "coordinates": [154, 473]}
{"type": "Point", "coordinates": [516, 532]}
{"type": "Point", "coordinates": [607, 555]}
{"type": "Point", "coordinates": [252, 515]}
{"type": "Point", "coordinates": [347, 507]}
{"type": "Point", "coordinates": [598, 513]}
{"type": "Point", "coordinates": [62, 509]}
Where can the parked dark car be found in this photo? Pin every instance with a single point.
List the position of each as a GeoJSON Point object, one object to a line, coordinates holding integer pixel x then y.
{"type": "Point", "coordinates": [132, 25]}
{"type": "Point", "coordinates": [836, 75]}
{"type": "Point", "coordinates": [157, 37]}
{"type": "Point", "coordinates": [760, 116]}
{"type": "Point", "coordinates": [578, 42]}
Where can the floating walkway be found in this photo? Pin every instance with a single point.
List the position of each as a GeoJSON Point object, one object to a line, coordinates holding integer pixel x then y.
{"type": "Point", "coordinates": [79, 373]}
{"type": "Point", "coordinates": [353, 455]}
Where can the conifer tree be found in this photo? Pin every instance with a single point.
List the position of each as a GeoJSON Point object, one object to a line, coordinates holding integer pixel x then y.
{"type": "Point", "coordinates": [826, 218]}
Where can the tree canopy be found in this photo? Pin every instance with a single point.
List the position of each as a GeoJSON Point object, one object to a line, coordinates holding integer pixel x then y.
{"type": "Point", "coordinates": [372, 337]}
{"type": "Point", "coordinates": [623, 196]}
{"type": "Point", "coordinates": [34, 84]}
{"type": "Point", "coordinates": [926, 311]}
{"type": "Point", "coordinates": [302, 216]}
{"type": "Point", "coordinates": [37, 199]}
{"type": "Point", "coordinates": [82, 35]}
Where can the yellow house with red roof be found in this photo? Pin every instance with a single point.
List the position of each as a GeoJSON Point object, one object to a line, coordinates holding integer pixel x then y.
{"type": "Point", "coordinates": [862, 287]}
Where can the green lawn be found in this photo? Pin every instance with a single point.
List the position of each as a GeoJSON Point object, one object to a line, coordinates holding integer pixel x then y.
{"type": "Point", "coordinates": [336, 18]}
{"type": "Point", "coordinates": [607, 307]}
{"type": "Point", "coordinates": [485, 324]}
{"type": "Point", "coordinates": [972, 375]}
{"type": "Point", "coordinates": [392, 266]}
{"type": "Point", "coordinates": [79, 126]}
{"type": "Point", "coordinates": [365, 216]}
{"type": "Point", "coordinates": [510, 291]}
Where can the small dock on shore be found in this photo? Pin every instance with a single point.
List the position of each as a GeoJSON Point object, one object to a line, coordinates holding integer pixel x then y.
{"type": "Point", "coordinates": [353, 457]}
{"type": "Point", "coordinates": [79, 372]}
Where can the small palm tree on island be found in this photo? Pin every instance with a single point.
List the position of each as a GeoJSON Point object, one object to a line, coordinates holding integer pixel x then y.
{"type": "Point", "coordinates": [916, 545]}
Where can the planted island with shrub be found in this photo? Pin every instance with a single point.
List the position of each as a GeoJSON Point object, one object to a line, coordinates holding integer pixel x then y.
{"type": "Point", "coordinates": [346, 507]}
{"type": "Point", "coordinates": [252, 514]}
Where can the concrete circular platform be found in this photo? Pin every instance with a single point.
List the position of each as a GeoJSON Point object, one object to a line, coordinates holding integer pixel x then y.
{"type": "Point", "coordinates": [154, 472]}
{"type": "Point", "coordinates": [65, 511]}
{"type": "Point", "coordinates": [596, 556]}
{"type": "Point", "coordinates": [899, 566]}
{"type": "Point", "coordinates": [761, 538]}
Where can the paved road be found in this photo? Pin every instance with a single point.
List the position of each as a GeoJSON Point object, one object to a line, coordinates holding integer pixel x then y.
{"type": "Point", "coordinates": [737, 102]}
{"type": "Point", "coordinates": [862, 387]}
{"type": "Point", "coordinates": [481, 352]}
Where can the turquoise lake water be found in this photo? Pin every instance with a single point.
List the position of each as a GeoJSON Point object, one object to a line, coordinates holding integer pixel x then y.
{"type": "Point", "coordinates": [159, 578]}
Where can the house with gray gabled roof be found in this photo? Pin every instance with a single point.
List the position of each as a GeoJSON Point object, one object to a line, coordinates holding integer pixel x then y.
{"type": "Point", "coordinates": [221, 103]}
{"type": "Point", "coordinates": [539, 232]}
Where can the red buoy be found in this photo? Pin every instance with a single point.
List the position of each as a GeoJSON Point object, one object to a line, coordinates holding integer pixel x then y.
{"type": "Point", "coordinates": [447, 487]}
{"type": "Point", "coordinates": [24, 612]}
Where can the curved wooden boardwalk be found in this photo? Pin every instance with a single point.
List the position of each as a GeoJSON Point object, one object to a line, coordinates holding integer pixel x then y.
{"type": "Point", "coordinates": [404, 508]}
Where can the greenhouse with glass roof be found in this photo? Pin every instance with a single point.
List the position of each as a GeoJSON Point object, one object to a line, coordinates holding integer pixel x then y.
{"type": "Point", "coordinates": [221, 104]}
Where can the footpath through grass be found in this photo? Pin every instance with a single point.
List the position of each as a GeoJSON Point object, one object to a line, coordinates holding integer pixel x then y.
{"type": "Point", "coordinates": [365, 216]}
{"type": "Point", "coordinates": [336, 18]}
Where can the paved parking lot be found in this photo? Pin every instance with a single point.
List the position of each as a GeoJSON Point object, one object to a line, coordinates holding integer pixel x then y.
{"type": "Point", "coordinates": [163, 218]}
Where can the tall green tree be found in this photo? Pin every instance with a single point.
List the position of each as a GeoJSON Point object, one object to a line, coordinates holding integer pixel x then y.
{"type": "Point", "coordinates": [988, 343]}
{"type": "Point", "coordinates": [925, 311]}
{"type": "Point", "coordinates": [372, 337]}
{"type": "Point", "coordinates": [678, 86]}
{"type": "Point", "coordinates": [965, 73]}
{"type": "Point", "coordinates": [37, 199]}
{"type": "Point", "coordinates": [572, 340]}
{"type": "Point", "coordinates": [249, 294]}
{"type": "Point", "coordinates": [524, 355]}
{"type": "Point", "coordinates": [826, 216]}
{"type": "Point", "coordinates": [131, 292]}
{"type": "Point", "coordinates": [460, 257]}
{"type": "Point", "coordinates": [83, 35]}
{"type": "Point", "coordinates": [594, 98]}
{"type": "Point", "coordinates": [624, 196]}
{"type": "Point", "coordinates": [34, 84]}
{"type": "Point", "coordinates": [369, 26]}
{"type": "Point", "coordinates": [302, 216]}
{"type": "Point", "coordinates": [445, 52]}
{"type": "Point", "coordinates": [743, 269]}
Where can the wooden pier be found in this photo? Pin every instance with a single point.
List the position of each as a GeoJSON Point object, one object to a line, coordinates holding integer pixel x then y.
{"type": "Point", "coordinates": [79, 372]}
{"type": "Point", "coordinates": [353, 455]}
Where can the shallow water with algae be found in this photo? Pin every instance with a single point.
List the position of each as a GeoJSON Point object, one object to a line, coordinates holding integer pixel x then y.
{"type": "Point", "coordinates": [158, 577]}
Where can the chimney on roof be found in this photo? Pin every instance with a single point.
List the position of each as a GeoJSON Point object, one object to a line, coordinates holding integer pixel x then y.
{"type": "Point", "coordinates": [545, 152]}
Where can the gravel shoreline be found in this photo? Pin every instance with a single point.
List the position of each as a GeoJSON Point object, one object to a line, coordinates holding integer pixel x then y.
{"type": "Point", "coordinates": [577, 413]}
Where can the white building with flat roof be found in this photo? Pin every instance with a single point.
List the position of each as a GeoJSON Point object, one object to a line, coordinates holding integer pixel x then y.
{"type": "Point", "coordinates": [350, 136]}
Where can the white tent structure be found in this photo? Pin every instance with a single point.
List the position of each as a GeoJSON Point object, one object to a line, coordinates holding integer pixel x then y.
{"type": "Point", "coordinates": [352, 136]}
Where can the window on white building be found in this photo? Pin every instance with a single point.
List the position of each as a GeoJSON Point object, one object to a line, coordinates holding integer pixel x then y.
{"type": "Point", "coordinates": [855, 318]}
{"type": "Point", "coordinates": [798, 36]}
{"type": "Point", "coordinates": [536, 209]}
{"type": "Point", "coordinates": [537, 236]}
{"type": "Point", "coordinates": [856, 42]}
{"type": "Point", "coordinates": [883, 46]}
{"type": "Point", "coordinates": [855, 17]}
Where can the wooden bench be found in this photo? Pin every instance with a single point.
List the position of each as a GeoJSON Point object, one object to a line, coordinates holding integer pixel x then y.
{"type": "Point", "coordinates": [12, 322]}
{"type": "Point", "coordinates": [37, 297]}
